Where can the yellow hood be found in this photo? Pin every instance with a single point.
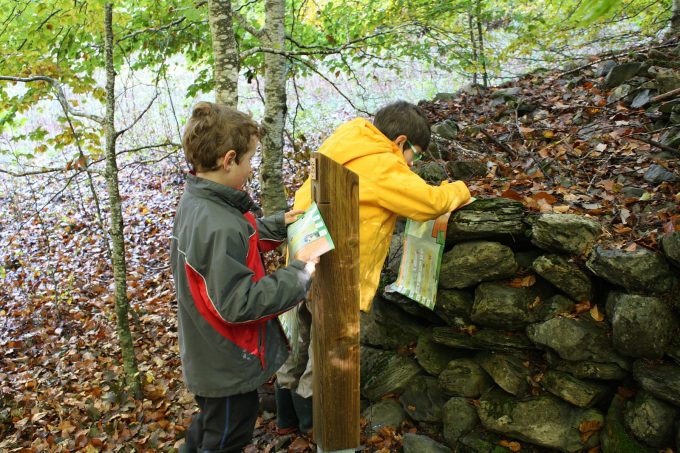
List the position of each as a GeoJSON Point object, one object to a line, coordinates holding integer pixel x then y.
{"type": "Point", "coordinates": [387, 189]}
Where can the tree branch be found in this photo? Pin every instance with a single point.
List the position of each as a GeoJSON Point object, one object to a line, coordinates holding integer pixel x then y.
{"type": "Point", "coordinates": [152, 29]}
{"type": "Point", "coordinates": [258, 33]}
{"type": "Point", "coordinates": [61, 97]}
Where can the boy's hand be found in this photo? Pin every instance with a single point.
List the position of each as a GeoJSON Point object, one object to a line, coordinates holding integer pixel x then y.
{"type": "Point", "coordinates": [310, 265]}
{"type": "Point", "coordinates": [291, 216]}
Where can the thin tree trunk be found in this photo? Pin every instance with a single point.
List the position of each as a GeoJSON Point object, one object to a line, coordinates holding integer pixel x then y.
{"type": "Point", "coordinates": [273, 194]}
{"type": "Point", "coordinates": [225, 52]}
{"type": "Point", "coordinates": [675, 17]}
{"type": "Point", "coordinates": [116, 232]}
{"type": "Point", "coordinates": [480, 37]}
{"type": "Point", "coordinates": [473, 43]}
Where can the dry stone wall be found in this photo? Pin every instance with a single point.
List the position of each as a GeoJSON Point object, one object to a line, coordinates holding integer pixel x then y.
{"type": "Point", "coordinates": [540, 335]}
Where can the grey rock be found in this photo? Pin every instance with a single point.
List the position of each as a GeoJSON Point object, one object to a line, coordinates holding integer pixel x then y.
{"type": "Point", "coordinates": [423, 399]}
{"type": "Point", "coordinates": [671, 137]}
{"type": "Point", "coordinates": [497, 219]}
{"type": "Point", "coordinates": [633, 192]}
{"type": "Point", "coordinates": [434, 357]}
{"type": "Point", "coordinates": [670, 244]}
{"type": "Point", "coordinates": [458, 417]}
{"type": "Point", "coordinates": [432, 172]}
{"type": "Point", "coordinates": [506, 93]}
{"type": "Point", "coordinates": [505, 307]}
{"type": "Point", "coordinates": [592, 370]}
{"type": "Point", "coordinates": [384, 413]}
{"type": "Point", "coordinates": [384, 372]}
{"type": "Point", "coordinates": [614, 436]}
{"type": "Point", "coordinates": [640, 270]}
{"type": "Point", "coordinates": [641, 99]}
{"type": "Point", "coordinates": [453, 304]}
{"type": "Point", "coordinates": [621, 73]}
{"type": "Point", "coordinates": [667, 107]}
{"type": "Point", "coordinates": [603, 68]}
{"type": "Point", "coordinates": [619, 93]}
{"type": "Point", "coordinates": [444, 97]}
{"type": "Point", "coordinates": [662, 380]}
{"type": "Point", "coordinates": [656, 174]}
{"type": "Point", "coordinates": [485, 339]}
{"type": "Point", "coordinates": [641, 326]}
{"type": "Point", "coordinates": [565, 275]}
{"type": "Point", "coordinates": [447, 129]}
{"type": "Point", "coordinates": [464, 377]}
{"type": "Point", "coordinates": [576, 339]}
{"type": "Point", "coordinates": [387, 326]}
{"type": "Point", "coordinates": [667, 79]}
{"type": "Point", "coordinates": [556, 305]}
{"type": "Point", "coordinates": [565, 233]}
{"type": "Point", "coordinates": [573, 390]}
{"type": "Point", "coordinates": [543, 420]}
{"type": "Point", "coordinates": [469, 263]}
{"type": "Point", "coordinates": [507, 371]}
{"type": "Point", "coordinates": [650, 419]}
{"type": "Point", "coordinates": [416, 443]}
{"type": "Point", "coordinates": [465, 170]}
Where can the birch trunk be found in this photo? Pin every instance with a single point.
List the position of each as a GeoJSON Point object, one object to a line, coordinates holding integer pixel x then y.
{"type": "Point", "coordinates": [675, 17]}
{"type": "Point", "coordinates": [116, 232]}
{"type": "Point", "coordinates": [480, 37]}
{"type": "Point", "coordinates": [226, 61]}
{"type": "Point", "coordinates": [473, 44]}
{"type": "Point", "coordinates": [273, 192]}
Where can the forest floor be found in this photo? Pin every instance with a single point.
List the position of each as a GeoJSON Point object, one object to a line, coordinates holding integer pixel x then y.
{"type": "Point", "coordinates": [60, 387]}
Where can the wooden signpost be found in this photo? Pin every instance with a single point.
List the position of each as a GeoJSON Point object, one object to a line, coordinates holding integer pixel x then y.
{"type": "Point", "coordinates": [335, 310]}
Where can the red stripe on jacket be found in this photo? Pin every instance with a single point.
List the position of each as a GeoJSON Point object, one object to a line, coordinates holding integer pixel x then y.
{"type": "Point", "coordinates": [248, 335]}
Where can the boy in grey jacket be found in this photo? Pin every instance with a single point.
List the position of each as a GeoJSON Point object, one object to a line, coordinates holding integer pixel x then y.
{"type": "Point", "coordinates": [230, 338]}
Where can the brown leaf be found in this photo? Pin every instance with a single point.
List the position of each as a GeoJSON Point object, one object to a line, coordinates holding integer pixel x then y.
{"type": "Point", "coordinates": [510, 445]}
{"type": "Point", "coordinates": [582, 306]}
{"type": "Point", "coordinates": [596, 315]}
{"type": "Point", "coordinates": [512, 194]}
{"type": "Point", "coordinates": [588, 428]}
{"type": "Point", "coordinates": [523, 282]}
{"type": "Point", "coordinates": [299, 445]}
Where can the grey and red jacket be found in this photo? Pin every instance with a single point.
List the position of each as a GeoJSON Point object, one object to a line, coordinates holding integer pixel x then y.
{"type": "Point", "coordinates": [230, 338]}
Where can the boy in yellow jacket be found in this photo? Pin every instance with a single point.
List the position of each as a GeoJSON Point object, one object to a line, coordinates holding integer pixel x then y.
{"type": "Point", "coordinates": [381, 154]}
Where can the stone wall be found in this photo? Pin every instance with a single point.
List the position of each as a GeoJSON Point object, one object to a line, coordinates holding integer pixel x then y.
{"type": "Point", "coordinates": [540, 339]}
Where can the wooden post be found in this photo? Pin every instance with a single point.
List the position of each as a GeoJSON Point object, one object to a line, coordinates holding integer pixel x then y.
{"type": "Point", "coordinates": [335, 309]}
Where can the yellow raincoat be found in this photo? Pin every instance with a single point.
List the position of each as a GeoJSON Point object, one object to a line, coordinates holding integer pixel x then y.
{"type": "Point", "coordinates": [387, 189]}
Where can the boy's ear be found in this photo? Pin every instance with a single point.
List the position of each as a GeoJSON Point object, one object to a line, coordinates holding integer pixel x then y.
{"type": "Point", "coordinates": [400, 141]}
{"type": "Point", "coordinates": [229, 159]}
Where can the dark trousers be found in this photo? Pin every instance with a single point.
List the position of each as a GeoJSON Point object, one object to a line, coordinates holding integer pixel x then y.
{"type": "Point", "coordinates": [224, 425]}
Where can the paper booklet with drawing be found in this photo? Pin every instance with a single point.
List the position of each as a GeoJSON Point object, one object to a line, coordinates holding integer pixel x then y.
{"type": "Point", "coordinates": [421, 259]}
{"type": "Point", "coordinates": [308, 238]}
{"type": "Point", "coordinates": [423, 248]}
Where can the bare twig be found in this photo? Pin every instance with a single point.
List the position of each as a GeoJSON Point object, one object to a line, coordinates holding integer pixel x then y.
{"type": "Point", "coordinates": [498, 143]}
{"type": "Point", "coordinates": [654, 143]}
{"type": "Point", "coordinates": [152, 29]}
{"type": "Point", "coordinates": [61, 97]}
{"type": "Point", "coordinates": [662, 97]}
{"type": "Point", "coordinates": [257, 32]}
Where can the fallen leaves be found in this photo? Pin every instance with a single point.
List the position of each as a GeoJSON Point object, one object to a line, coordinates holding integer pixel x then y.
{"type": "Point", "coordinates": [588, 429]}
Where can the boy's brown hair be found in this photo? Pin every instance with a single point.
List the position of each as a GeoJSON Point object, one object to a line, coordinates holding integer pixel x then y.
{"type": "Point", "coordinates": [212, 130]}
{"type": "Point", "coordinates": [403, 118]}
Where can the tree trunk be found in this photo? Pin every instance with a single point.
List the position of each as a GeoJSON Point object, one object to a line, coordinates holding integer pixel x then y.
{"type": "Point", "coordinates": [116, 232]}
{"type": "Point", "coordinates": [273, 193]}
{"type": "Point", "coordinates": [480, 37]}
{"type": "Point", "coordinates": [226, 61]}
{"type": "Point", "coordinates": [473, 44]}
{"type": "Point", "coordinates": [675, 17]}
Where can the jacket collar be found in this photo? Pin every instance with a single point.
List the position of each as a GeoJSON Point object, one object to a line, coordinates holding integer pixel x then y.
{"type": "Point", "coordinates": [208, 189]}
